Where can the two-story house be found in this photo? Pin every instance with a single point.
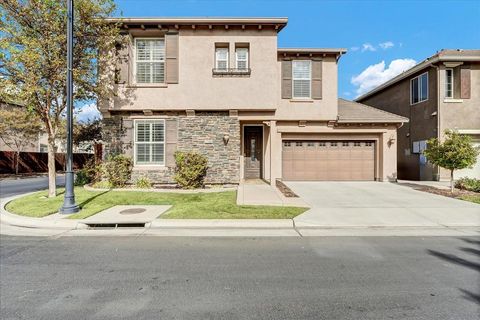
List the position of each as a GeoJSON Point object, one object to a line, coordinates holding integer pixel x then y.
{"type": "Point", "coordinates": [440, 93]}
{"type": "Point", "coordinates": [222, 87]}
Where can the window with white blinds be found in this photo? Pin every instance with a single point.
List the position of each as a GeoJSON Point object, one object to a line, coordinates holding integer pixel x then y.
{"type": "Point", "coordinates": [301, 78]}
{"type": "Point", "coordinates": [150, 142]}
{"type": "Point", "coordinates": [150, 60]}
{"type": "Point", "coordinates": [221, 58]}
{"type": "Point", "coordinates": [241, 58]}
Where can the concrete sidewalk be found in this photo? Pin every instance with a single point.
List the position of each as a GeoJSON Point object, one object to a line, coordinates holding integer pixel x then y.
{"type": "Point", "coordinates": [346, 222]}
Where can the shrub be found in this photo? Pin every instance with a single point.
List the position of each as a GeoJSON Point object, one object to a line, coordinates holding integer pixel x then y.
{"type": "Point", "coordinates": [143, 183]}
{"type": "Point", "coordinates": [88, 174]}
{"type": "Point", "coordinates": [470, 184]}
{"type": "Point", "coordinates": [81, 178]}
{"type": "Point", "coordinates": [117, 170]}
{"type": "Point", "coordinates": [190, 170]}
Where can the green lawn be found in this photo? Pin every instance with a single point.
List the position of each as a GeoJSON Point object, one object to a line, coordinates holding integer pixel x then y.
{"type": "Point", "coordinates": [218, 205]}
{"type": "Point", "coordinates": [471, 197]}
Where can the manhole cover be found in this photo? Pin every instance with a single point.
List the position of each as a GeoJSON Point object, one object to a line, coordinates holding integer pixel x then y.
{"type": "Point", "coordinates": [133, 211]}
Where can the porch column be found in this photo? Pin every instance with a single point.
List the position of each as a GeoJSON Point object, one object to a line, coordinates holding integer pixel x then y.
{"type": "Point", "coordinates": [276, 153]}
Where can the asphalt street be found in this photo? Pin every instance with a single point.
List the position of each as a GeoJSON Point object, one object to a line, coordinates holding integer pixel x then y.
{"type": "Point", "coordinates": [240, 278]}
{"type": "Point", "coordinates": [10, 187]}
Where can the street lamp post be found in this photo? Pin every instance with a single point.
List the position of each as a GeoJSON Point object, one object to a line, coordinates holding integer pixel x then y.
{"type": "Point", "coordinates": [69, 205]}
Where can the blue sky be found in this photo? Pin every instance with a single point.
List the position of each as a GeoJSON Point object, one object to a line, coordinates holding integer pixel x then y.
{"type": "Point", "coordinates": [408, 31]}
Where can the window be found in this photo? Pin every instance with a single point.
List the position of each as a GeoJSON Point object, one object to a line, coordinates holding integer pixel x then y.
{"type": "Point", "coordinates": [419, 146]}
{"type": "Point", "coordinates": [298, 144]}
{"type": "Point", "coordinates": [356, 144]}
{"type": "Point", "coordinates": [150, 142]}
{"type": "Point", "coordinates": [419, 89]}
{"type": "Point", "coordinates": [333, 144]}
{"type": "Point", "coordinates": [310, 144]}
{"type": "Point", "coordinates": [301, 75]}
{"type": "Point", "coordinates": [150, 60]}
{"type": "Point", "coordinates": [345, 144]}
{"type": "Point", "coordinates": [449, 83]}
{"type": "Point", "coordinates": [287, 144]}
{"type": "Point", "coordinates": [322, 144]}
{"type": "Point", "coordinates": [43, 148]}
{"type": "Point", "coordinates": [368, 144]}
{"type": "Point", "coordinates": [221, 58]}
{"type": "Point", "coordinates": [241, 58]}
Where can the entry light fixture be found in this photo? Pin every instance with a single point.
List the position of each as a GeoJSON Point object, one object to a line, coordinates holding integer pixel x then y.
{"type": "Point", "coordinates": [226, 137]}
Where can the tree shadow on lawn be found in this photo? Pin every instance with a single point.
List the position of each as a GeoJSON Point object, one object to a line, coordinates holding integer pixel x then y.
{"type": "Point", "coordinates": [84, 203]}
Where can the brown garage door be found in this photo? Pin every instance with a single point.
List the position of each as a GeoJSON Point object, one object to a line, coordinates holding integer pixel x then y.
{"type": "Point", "coordinates": [328, 160]}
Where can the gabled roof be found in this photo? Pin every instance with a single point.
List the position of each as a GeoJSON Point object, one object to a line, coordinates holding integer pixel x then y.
{"type": "Point", "coordinates": [354, 112]}
{"type": "Point", "coordinates": [451, 55]}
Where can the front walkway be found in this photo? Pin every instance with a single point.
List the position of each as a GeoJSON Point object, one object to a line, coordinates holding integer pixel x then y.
{"type": "Point", "coordinates": [380, 204]}
{"type": "Point", "coordinates": [258, 192]}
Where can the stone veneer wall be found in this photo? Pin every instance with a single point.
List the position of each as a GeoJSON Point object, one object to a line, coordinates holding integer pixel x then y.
{"type": "Point", "coordinates": [203, 133]}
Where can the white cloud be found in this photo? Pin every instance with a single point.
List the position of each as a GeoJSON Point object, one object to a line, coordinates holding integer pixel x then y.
{"type": "Point", "coordinates": [347, 93]}
{"type": "Point", "coordinates": [354, 48]}
{"type": "Point", "coordinates": [376, 74]}
{"type": "Point", "coordinates": [386, 45]}
{"type": "Point", "coordinates": [368, 47]}
{"type": "Point", "coordinates": [88, 112]}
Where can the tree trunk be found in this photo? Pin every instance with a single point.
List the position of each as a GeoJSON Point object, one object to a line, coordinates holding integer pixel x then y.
{"type": "Point", "coordinates": [52, 189]}
{"type": "Point", "coordinates": [17, 160]}
{"type": "Point", "coordinates": [451, 181]}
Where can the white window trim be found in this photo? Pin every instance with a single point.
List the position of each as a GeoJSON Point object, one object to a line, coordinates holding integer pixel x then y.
{"type": "Point", "coordinates": [135, 141]}
{"type": "Point", "coordinates": [310, 79]}
{"type": "Point", "coordinates": [453, 86]}
{"type": "Point", "coordinates": [246, 59]}
{"type": "Point", "coordinates": [227, 58]}
{"type": "Point", "coordinates": [134, 76]}
{"type": "Point", "coordinates": [419, 89]}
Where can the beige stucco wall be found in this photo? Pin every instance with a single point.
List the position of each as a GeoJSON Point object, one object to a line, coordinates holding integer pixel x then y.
{"type": "Point", "coordinates": [321, 109]}
{"type": "Point", "coordinates": [198, 89]}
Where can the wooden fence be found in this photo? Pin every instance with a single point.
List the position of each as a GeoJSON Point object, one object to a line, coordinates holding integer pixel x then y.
{"type": "Point", "coordinates": [37, 162]}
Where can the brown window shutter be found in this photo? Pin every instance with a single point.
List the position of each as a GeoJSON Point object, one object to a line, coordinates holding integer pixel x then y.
{"type": "Point", "coordinates": [171, 55]}
{"type": "Point", "coordinates": [171, 141]}
{"type": "Point", "coordinates": [316, 79]}
{"type": "Point", "coordinates": [286, 79]}
{"type": "Point", "coordinates": [122, 65]}
{"type": "Point", "coordinates": [465, 85]}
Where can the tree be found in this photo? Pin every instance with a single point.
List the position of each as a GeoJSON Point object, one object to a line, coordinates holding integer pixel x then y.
{"type": "Point", "coordinates": [90, 131]}
{"type": "Point", "coordinates": [33, 58]}
{"type": "Point", "coordinates": [18, 129]}
{"type": "Point", "coordinates": [454, 153]}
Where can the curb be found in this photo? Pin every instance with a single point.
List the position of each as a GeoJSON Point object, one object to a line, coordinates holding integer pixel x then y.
{"type": "Point", "coordinates": [37, 223]}
{"type": "Point", "coordinates": [186, 191]}
{"type": "Point", "coordinates": [222, 224]}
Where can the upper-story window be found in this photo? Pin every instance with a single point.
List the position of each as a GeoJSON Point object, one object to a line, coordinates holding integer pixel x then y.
{"type": "Point", "coordinates": [419, 88]}
{"type": "Point", "coordinates": [301, 78]}
{"type": "Point", "coordinates": [449, 83]}
{"type": "Point", "coordinates": [221, 58]}
{"type": "Point", "coordinates": [241, 58]}
{"type": "Point", "coordinates": [150, 60]}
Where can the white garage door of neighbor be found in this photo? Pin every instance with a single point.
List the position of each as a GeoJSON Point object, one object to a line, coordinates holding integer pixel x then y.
{"type": "Point", "coordinates": [471, 173]}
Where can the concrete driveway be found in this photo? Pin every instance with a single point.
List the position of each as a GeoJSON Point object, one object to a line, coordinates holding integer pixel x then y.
{"type": "Point", "coordinates": [379, 204]}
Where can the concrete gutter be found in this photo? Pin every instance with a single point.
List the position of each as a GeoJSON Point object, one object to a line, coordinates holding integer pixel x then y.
{"type": "Point", "coordinates": [222, 223]}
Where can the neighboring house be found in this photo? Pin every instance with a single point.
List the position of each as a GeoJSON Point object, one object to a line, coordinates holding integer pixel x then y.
{"type": "Point", "coordinates": [32, 146]}
{"type": "Point", "coordinates": [442, 92]}
{"type": "Point", "coordinates": [40, 144]}
{"type": "Point", "coordinates": [220, 86]}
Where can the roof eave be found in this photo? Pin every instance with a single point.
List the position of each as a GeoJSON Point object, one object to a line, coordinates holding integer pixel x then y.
{"type": "Point", "coordinates": [422, 65]}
